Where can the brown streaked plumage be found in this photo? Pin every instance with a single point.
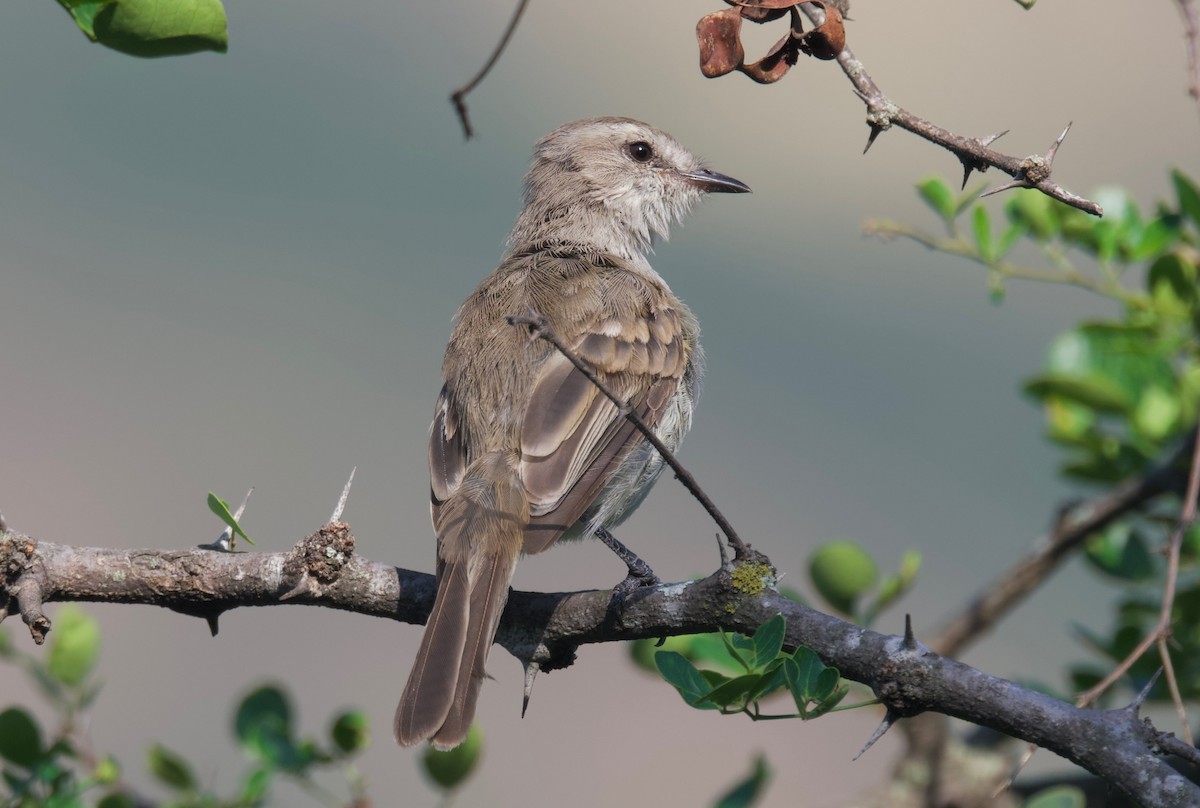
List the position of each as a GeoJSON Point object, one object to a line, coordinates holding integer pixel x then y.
{"type": "Point", "coordinates": [523, 448]}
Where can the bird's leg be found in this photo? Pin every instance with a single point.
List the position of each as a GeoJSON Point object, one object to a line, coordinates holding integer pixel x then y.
{"type": "Point", "coordinates": [640, 574]}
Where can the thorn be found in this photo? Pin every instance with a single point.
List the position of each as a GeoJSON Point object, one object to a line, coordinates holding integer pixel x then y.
{"type": "Point", "coordinates": [910, 639]}
{"type": "Point", "coordinates": [1050, 152]}
{"type": "Point", "coordinates": [211, 619]}
{"type": "Point", "coordinates": [1141, 697]}
{"type": "Point", "coordinates": [3, 524]}
{"type": "Point", "coordinates": [723, 549]}
{"type": "Point", "coordinates": [531, 671]}
{"type": "Point", "coordinates": [875, 130]}
{"type": "Point", "coordinates": [301, 588]}
{"type": "Point", "coordinates": [988, 140]}
{"type": "Point", "coordinates": [241, 508]}
{"type": "Point", "coordinates": [883, 727]}
{"type": "Point", "coordinates": [1006, 186]}
{"type": "Point", "coordinates": [341, 503]}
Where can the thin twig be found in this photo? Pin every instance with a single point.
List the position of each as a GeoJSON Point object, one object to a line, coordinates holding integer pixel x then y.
{"type": "Point", "coordinates": [1191, 32]}
{"type": "Point", "coordinates": [1163, 627]}
{"type": "Point", "coordinates": [1073, 526]}
{"type": "Point", "coordinates": [458, 96]}
{"type": "Point", "coordinates": [541, 329]}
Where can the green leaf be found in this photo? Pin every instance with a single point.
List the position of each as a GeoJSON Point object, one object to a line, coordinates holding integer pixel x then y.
{"type": "Point", "coordinates": [748, 791]}
{"type": "Point", "coordinates": [263, 724]}
{"type": "Point", "coordinates": [842, 571]}
{"type": "Point", "coordinates": [74, 646]}
{"type": "Point", "coordinates": [1155, 238]}
{"type": "Point", "coordinates": [152, 27]}
{"type": "Point", "coordinates": [221, 508]}
{"type": "Point", "coordinates": [1120, 551]}
{"type": "Point", "coordinates": [1172, 284]}
{"type": "Point", "coordinates": [257, 785]}
{"type": "Point", "coordinates": [768, 641]}
{"type": "Point", "coordinates": [1189, 195]}
{"type": "Point", "coordinates": [809, 679]}
{"type": "Point", "coordinates": [893, 587]}
{"type": "Point", "coordinates": [937, 195]}
{"type": "Point", "coordinates": [107, 770]}
{"type": "Point", "coordinates": [1035, 211]}
{"type": "Point", "coordinates": [733, 692]}
{"type": "Point", "coordinates": [1095, 392]}
{"type": "Point", "coordinates": [684, 677]}
{"type": "Point", "coordinates": [20, 738]}
{"type": "Point", "coordinates": [265, 705]}
{"type": "Point", "coordinates": [1057, 797]}
{"type": "Point", "coordinates": [981, 222]}
{"type": "Point", "coordinates": [170, 769]}
{"type": "Point", "coordinates": [451, 768]}
{"type": "Point", "coordinates": [1156, 416]}
{"type": "Point", "coordinates": [351, 731]}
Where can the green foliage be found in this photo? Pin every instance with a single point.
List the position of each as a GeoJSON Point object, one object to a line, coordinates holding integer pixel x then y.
{"type": "Point", "coordinates": [750, 789]}
{"type": "Point", "coordinates": [763, 669]}
{"type": "Point", "coordinates": [42, 770]}
{"type": "Point", "coordinates": [1118, 394]}
{"type": "Point", "coordinates": [450, 769]}
{"type": "Point", "coordinates": [152, 27]}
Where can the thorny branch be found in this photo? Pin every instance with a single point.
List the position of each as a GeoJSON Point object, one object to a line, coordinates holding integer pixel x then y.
{"type": "Point", "coordinates": [1027, 172]}
{"type": "Point", "coordinates": [1117, 745]}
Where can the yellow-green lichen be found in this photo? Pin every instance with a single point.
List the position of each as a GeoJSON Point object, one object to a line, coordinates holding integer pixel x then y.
{"type": "Point", "coordinates": [752, 577]}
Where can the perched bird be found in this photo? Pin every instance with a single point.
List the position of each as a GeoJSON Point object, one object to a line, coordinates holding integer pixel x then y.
{"type": "Point", "coordinates": [524, 449]}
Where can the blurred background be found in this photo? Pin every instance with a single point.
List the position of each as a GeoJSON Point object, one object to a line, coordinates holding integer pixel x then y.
{"type": "Point", "coordinates": [224, 271]}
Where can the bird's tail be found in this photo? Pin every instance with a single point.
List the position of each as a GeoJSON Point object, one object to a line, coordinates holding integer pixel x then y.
{"type": "Point", "coordinates": [480, 532]}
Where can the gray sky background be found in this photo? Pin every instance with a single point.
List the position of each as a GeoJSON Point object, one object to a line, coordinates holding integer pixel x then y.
{"type": "Point", "coordinates": [225, 271]}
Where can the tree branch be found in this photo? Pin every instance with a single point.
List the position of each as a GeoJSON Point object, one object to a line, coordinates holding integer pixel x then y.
{"type": "Point", "coordinates": [547, 628]}
{"type": "Point", "coordinates": [1027, 172]}
{"type": "Point", "coordinates": [1073, 525]}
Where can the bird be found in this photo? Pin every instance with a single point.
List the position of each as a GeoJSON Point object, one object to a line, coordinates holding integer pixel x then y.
{"type": "Point", "coordinates": [523, 449]}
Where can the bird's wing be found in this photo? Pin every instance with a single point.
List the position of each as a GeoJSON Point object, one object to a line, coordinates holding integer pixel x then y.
{"type": "Point", "coordinates": [572, 436]}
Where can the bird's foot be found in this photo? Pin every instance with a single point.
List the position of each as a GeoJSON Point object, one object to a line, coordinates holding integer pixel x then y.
{"type": "Point", "coordinates": [640, 575]}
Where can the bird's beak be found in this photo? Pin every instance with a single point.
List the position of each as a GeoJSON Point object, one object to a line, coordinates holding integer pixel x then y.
{"type": "Point", "coordinates": [712, 182]}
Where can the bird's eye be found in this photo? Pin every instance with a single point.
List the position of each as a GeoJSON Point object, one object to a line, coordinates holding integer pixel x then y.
{"type": "Point", "coordinates": [640, 151]}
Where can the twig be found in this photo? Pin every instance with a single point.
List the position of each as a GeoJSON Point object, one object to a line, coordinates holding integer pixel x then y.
{"type": "Point", "coordinates": [540, 328]}
{"type": "Point", "coordinates": [1064, 273]}
{"type": "Point", "coordinates": [1191, 32]}
{"type": "Point", "coordinates": [973, 153]}
{"type": "Point", "coordinates": [458, 96]}
{"type": "Point", "coordinates": [1071, 528]}
{"type": "Point", "coordinates": [1163, 627]}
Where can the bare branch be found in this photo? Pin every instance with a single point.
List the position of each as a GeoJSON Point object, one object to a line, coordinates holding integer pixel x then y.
{"type": "Point", "coordinates": [458, 97]}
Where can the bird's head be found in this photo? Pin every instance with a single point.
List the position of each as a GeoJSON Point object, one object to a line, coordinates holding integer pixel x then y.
{"type": "Point", "coordinates": [621, 179]}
